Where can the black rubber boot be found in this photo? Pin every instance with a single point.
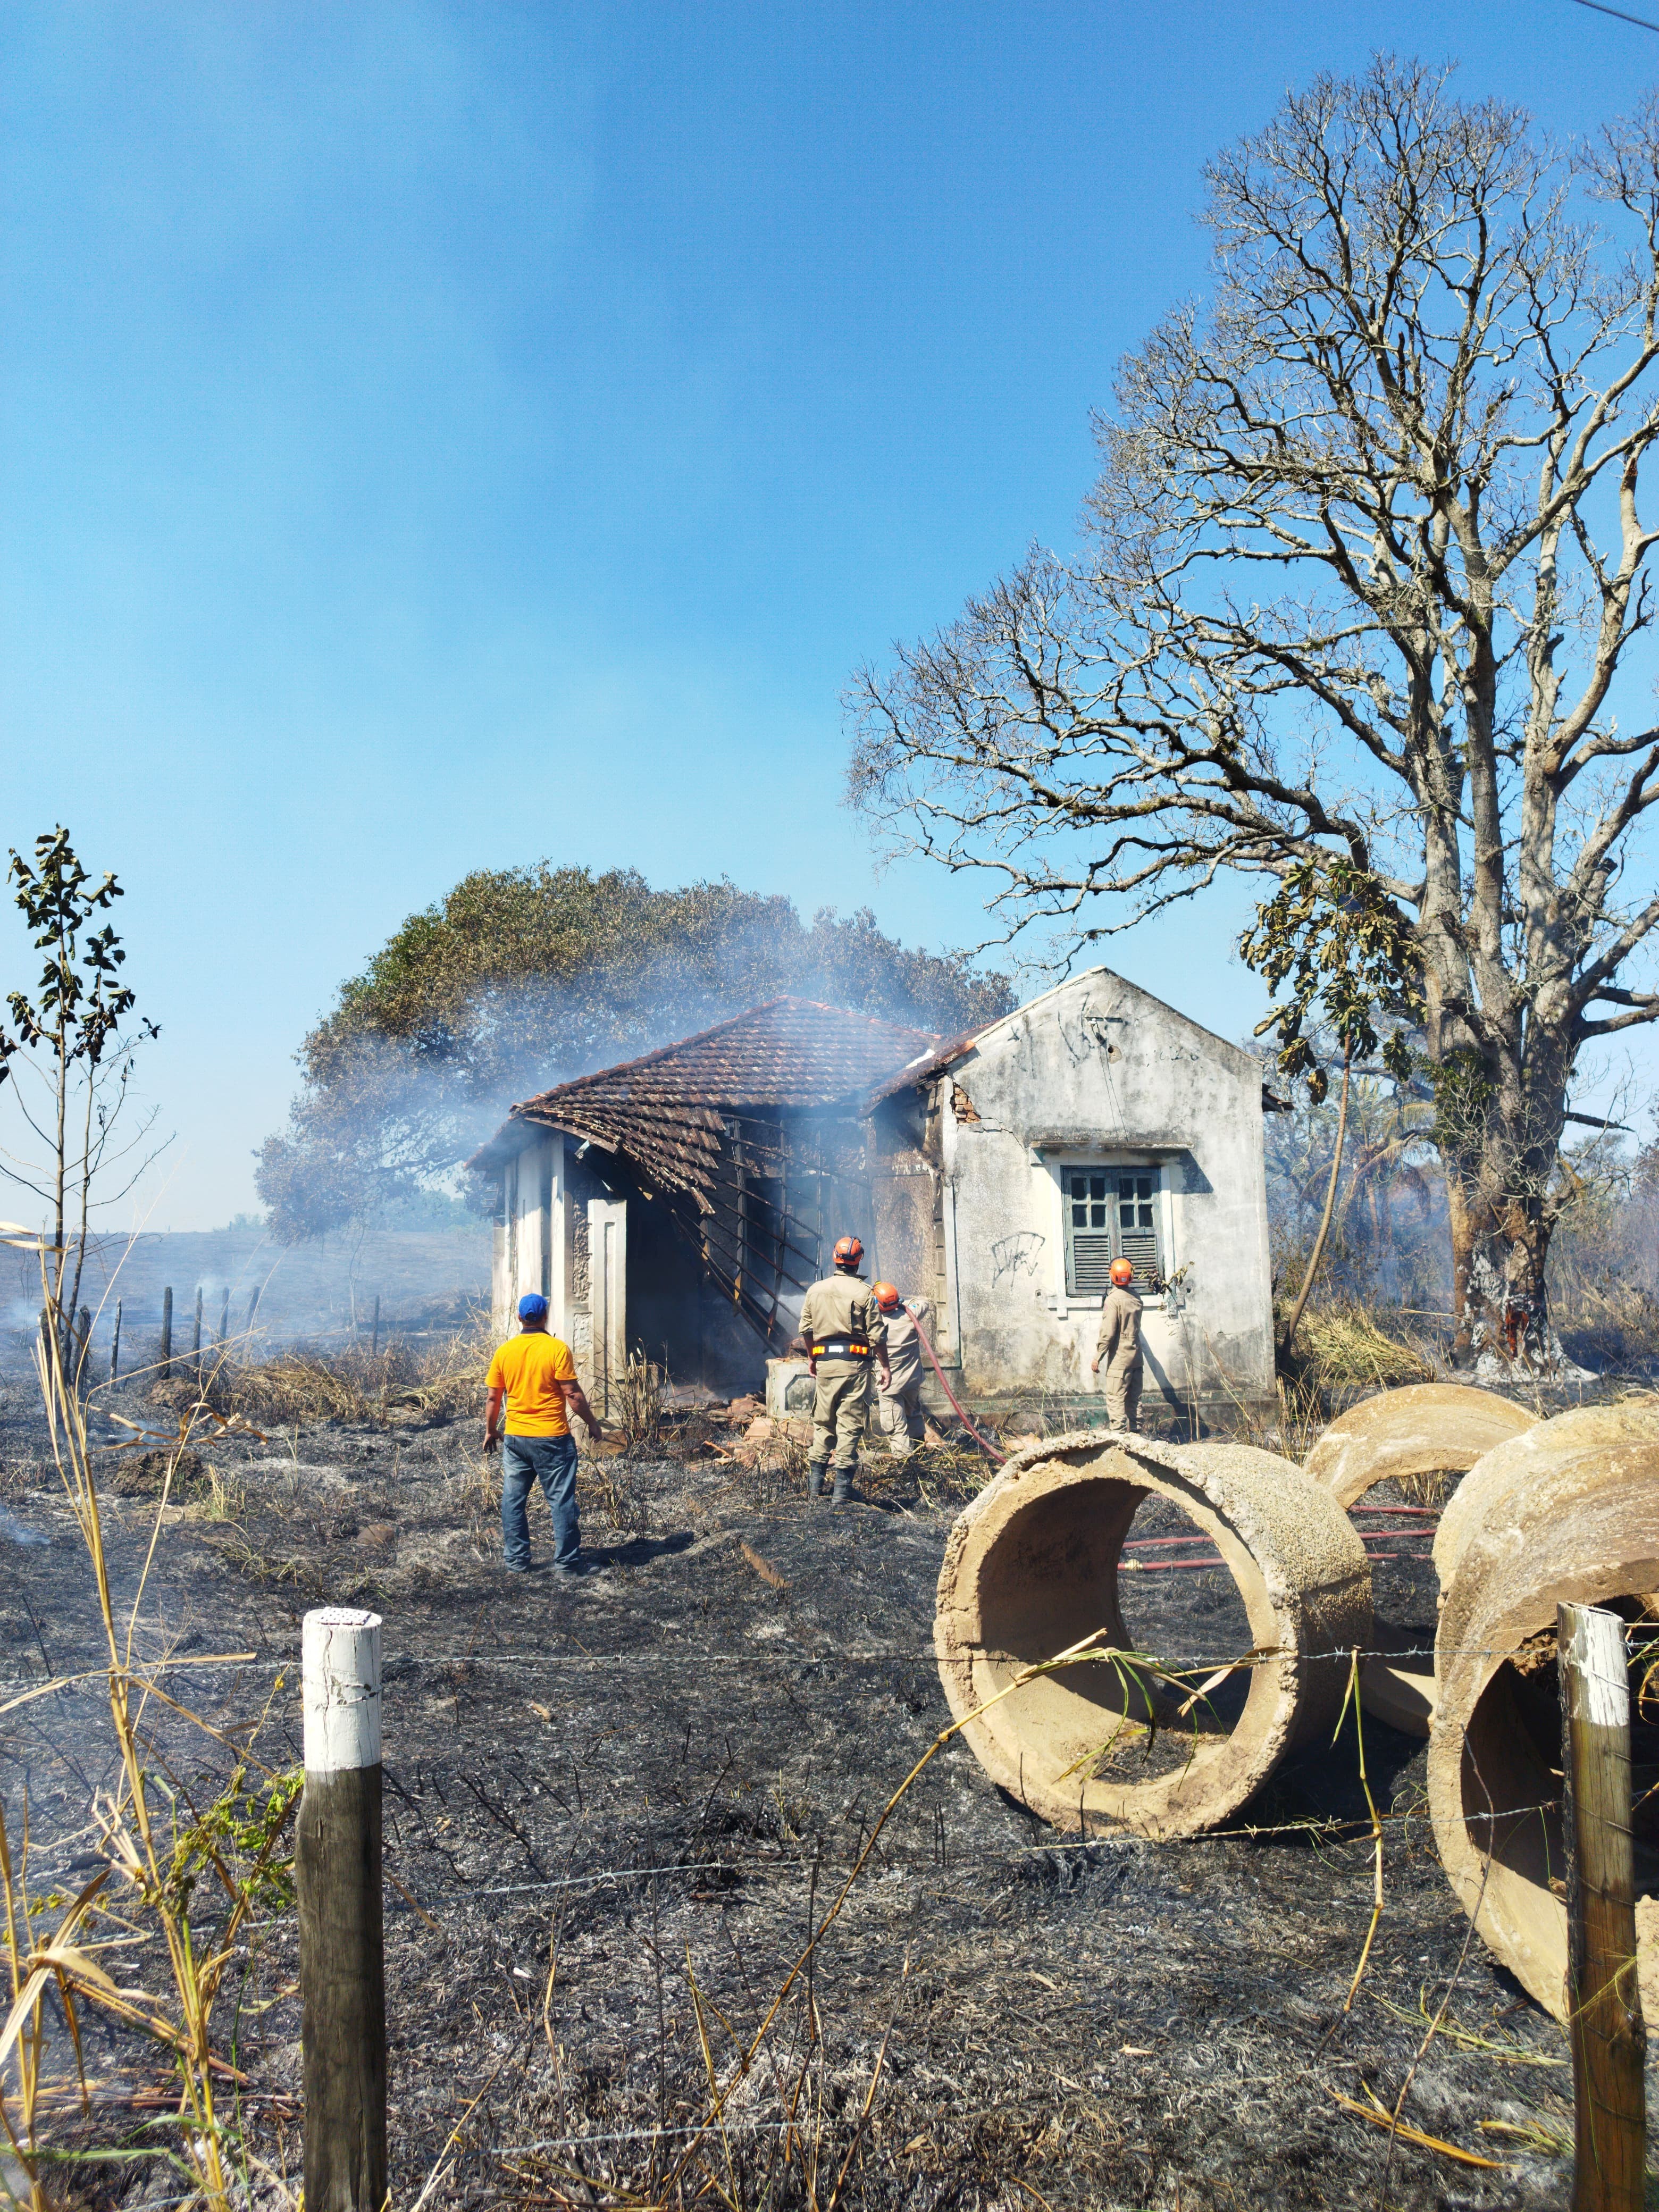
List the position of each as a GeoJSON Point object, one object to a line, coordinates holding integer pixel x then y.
{"type": "Point", "coordinates": [843, 1493]}
{"type": "Point", "coordinates": [816, 1471]}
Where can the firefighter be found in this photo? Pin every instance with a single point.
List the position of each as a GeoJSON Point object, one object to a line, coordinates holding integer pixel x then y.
{"type": "Point", "coordinates": [1120, 1347]}
{"type": "Point", "coordinates": [899, 1409]}
{"type": "Point", "coordinates": [843, 1332]}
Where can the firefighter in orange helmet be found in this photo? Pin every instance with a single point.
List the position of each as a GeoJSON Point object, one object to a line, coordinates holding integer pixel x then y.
{"type": "Point", "coordinates": [844, 1332]}
{"type": "Point", "coordinates": [899, 1411]}
{"type": "Point", "coordinates": [1119, 1348]}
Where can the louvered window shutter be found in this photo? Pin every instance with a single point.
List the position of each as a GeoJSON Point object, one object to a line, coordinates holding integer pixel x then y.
{"type": "Point", "coordinates": [1089, 1198]}
{"type": "Point", "coordinates": [1137, 1226]}
{"type": "Point", "coordinates": [1111, 1214]}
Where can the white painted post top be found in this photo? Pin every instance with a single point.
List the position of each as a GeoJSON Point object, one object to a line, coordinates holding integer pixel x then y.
{"type": "Point", "coordinates": [1596, 1650]}
{"type": "Point", "coordinates": [342, 1654]}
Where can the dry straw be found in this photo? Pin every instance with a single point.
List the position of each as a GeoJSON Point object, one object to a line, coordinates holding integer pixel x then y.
{"type": "Point", "coordinates": [172, 1881]}
{"type": "Point", "coordinates": [394, 1385]}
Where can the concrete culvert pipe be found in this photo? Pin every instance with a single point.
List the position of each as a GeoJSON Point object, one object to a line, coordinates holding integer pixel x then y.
{"type": "Point", "coordinates": [1031, 1568]}
{"type": "Point", "coordinates": [1580, 1525]}
{"type": "Point", "coordinates": [1424, 1429]}
{"type": "Point", "coordinates": [1546, 1444]}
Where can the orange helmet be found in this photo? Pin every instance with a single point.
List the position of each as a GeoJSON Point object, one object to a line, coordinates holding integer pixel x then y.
{"type": "Point", "coordinates": [849, 1253]}
{"type": "Point", "coordinates": [886, 1296]}
{"type": "Point", "coordinates": [1123, 1273]}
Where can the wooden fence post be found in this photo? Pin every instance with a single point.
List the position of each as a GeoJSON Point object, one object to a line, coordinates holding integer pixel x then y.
{"type": "Point", "coordinates": [253, 1309]}
{"type": "Point", "coordinates": [374, 1344]}
{"type": "Point", "coordinates": [195, 1334]}
{"type": "Point", "coordinates": [342, 1955]}
{"type": "Point", "coordinates": [1605, 2015]}
{"type": "Point", "coordinates": [165, 1361]}
{"type": "Point", "coordinates": [224, 1316]}
{"type": "Point", "coordinates": [115, 1345]}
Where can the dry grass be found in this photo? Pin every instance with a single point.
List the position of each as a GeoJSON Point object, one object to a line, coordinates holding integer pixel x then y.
{"type": "Point", "coordinates": [789, 1448]}
{"type": "Point", "coordinates": [947, 1474]}
{"type": "Point", "coordinates": [1342, 1352]}
{"type": "Point", "coordinates": [302, 1386]}
{"type": "Point", "coordinates": [222, 1497]}
{"type": "Point", "coordinates": [1300, 1418]}
{"type": "Point", "coordinates": [637, 1407]}
{"type": "Point", "coordinates": [187, 1885]}
{"type": "Point", "coordinates": [396, 1385]}
{"type": "Point", "coordinates": [1342, 1346]}
{"type": "Point", "coordinates": [1610, 1321]}
{"type": "Point", "coordinates": [602, 1489]}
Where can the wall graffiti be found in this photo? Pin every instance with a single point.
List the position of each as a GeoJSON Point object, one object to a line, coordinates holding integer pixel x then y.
{"type": "Point", "coordinates": [1008, 1255]}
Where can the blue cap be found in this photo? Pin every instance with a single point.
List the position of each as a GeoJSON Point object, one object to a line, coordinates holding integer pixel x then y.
{"type": "Point", "coordinates": [532, 1306]}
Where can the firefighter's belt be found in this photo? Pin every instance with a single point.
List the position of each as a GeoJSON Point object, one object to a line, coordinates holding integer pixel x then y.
{"type": "Point", "coordinates": [842, 1347]}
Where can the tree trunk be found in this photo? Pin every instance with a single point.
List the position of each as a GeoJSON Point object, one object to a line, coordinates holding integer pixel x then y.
{"type": "Point", "coordinates": [1462, 1247]}
{"type": "Point", "coordinates": [1500, 1305]}
{"type": "Point", "coordinates": [1318, 1252]}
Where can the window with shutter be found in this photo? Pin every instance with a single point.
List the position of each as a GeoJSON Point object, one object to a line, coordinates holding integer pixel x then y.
{"type": "Point", "coordinates": [1111, 1214]}
{"type": "Point", "coordinates": [1137, 1226]}
{"type": "Point", "coordinates": [1090, 1194]}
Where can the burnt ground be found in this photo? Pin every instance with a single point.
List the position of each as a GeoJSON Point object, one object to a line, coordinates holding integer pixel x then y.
{"type": "Point", "coordinates": [652, 1778]}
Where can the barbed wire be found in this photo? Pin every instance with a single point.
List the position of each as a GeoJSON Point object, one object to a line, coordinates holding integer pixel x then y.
{"type": "Point", "coordinates": [967, 1860]}
{"type": "Point", "coordinates": [404, 1663]}
{"type": "Point", "coordinates": [730, 2125]}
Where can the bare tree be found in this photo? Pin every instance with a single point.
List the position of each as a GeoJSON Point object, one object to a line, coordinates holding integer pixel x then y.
{"type": "Point", "coordinates": [1356, 583]}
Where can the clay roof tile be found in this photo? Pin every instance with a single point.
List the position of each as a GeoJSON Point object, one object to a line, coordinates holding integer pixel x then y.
{"type": "Point", "coordinates": [663, 1109]}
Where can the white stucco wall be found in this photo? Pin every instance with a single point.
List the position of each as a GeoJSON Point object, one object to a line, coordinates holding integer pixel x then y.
{"type": "Point", "coordinates": [1099, 1071]}
{"type": "Point", "coordinates": [536, 1247]}
{"type": "Point", "coordinates": [529, 1236]}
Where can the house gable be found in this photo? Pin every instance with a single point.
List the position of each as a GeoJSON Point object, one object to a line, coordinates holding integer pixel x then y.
{"type": "Point", "coordinates": [1098, 1062]}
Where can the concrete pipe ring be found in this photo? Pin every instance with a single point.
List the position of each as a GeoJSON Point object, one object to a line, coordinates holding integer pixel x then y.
{"type": "Point", "coordinates": [1583, 1527]}
{"type": "Point", "coordinates": [1427, 1428]}
{"type": "Point", "coordinates": [1031, 1569]}
{"type": "Point", "coordinates": [1547, 1443]}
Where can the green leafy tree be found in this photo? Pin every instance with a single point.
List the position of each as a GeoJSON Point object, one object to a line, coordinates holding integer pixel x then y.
{"type": "Point", "coordinates": [1331, 947]}
{"type": "Point", "coordinates": [69, 1062]}
{"type": "Point", "coordinates": [523, 977]}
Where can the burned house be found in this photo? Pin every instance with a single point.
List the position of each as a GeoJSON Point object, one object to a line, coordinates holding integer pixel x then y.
{"type": "Point", "coordinates": [679, 1204]}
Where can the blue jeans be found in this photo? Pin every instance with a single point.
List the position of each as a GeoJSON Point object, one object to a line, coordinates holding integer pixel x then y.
{"type": "Point", "coordinates": [552, 1461]}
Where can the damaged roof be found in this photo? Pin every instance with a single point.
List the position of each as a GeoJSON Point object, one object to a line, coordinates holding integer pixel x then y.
{"type": "Point", "coordinates": [665, 1109]}
{"type": "Point", "coordinates": [921, 1070]}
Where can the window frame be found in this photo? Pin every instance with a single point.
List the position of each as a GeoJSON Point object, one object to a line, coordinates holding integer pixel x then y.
{"type": "Point", "coordinates": [1068, 1300]}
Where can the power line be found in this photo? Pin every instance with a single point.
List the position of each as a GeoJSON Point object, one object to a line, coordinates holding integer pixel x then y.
{"type": "Point", "coordinates": [1602, 8]}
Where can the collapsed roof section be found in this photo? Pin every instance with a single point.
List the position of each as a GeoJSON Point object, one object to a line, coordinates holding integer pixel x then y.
{"type": "Point", "coordinates": [712, 1124]}
{"type": "Point", "coordinates": [665, 1111]}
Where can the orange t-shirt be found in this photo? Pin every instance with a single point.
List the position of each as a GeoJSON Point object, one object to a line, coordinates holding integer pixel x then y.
{"type": "Point", "coordinates": [530, 1369]}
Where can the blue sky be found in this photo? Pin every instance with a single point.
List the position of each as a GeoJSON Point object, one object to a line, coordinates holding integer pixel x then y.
{"type": "Point", "coordinates": [440, 436]}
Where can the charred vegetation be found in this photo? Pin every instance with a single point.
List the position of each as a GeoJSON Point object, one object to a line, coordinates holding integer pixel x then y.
{"type": "Point", "coordinates": [614, 1810]}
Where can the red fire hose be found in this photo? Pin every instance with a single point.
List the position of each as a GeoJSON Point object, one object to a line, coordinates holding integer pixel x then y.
{"type": "Point", "coordinates": [983, 1442]}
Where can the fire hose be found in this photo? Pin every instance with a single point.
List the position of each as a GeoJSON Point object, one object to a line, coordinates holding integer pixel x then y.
{"type": "Point", "coordinates": [933, 1361]}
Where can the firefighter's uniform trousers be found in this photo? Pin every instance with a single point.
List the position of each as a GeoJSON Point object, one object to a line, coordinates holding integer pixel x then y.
{"type": "Point", "coordinates": [840, 1411]}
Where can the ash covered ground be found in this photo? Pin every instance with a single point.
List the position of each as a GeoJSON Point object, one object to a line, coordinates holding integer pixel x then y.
{"type": "Point", "coordinates": [650, 1780]}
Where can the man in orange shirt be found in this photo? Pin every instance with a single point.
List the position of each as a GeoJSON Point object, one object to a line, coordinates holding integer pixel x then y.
{"type": "Point", "coordinates": [536, 1376]}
